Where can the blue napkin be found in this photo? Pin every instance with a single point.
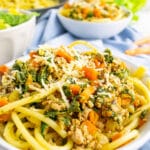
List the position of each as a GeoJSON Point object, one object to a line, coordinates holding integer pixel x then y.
{"type": "Point", "coordinates": [50, 31]}
{"type": "Point", "coordinates": [49, 27]}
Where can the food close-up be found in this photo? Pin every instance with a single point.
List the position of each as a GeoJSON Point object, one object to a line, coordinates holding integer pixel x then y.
{"type": "Point", "coordinates": [74, 75]}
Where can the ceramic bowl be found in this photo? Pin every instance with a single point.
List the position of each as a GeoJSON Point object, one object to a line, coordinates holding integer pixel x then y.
{"type": "Point", "coordinates": [94, 30]}
{"type": "Point", "coordinates": [144, 131]}
{"type": "Point", "coordinates": [15, 40]}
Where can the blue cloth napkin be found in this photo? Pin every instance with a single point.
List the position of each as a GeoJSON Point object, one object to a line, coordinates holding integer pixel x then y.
{"type": "Point", "coordinates": [49, 27]}
{"type": "Point", "coordinates": [50, 31]}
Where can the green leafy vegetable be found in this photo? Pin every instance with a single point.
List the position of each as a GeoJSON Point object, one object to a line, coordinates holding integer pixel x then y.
{"type": "Point", "coordinates": [108, 56]}
{"type": "Point", "coordinates": [43, 127]}
{"type": "Point", "coordinates": [66, 120]}
{"type": "Point", "coordinates": [42, 75]}
{"type": "Point", "coordinates": [66, 91]}
{"type": "Point", "coordinates": [122, 73]}
{"type": "Point", "coordinates": [143, 114]}
{"type": "Point", "coordinates": [74, 106]}
{"type": "Point", "coordinates": [133, 5]}
{"type": "Point", "coordinates": [21, 75]}
{"type": "Point", "coordinates": [52, 114]}
{"type": "Point", "coordinates": [8, 19]}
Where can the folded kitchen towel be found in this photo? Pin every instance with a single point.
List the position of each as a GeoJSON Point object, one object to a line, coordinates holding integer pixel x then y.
{"type": "Point", "coordinates": [49, 27]}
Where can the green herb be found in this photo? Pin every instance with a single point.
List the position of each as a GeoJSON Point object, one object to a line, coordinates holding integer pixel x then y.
{"type": "Point", "coordinates": [143, 114]}
{"type": "Point", "coordinates": [67, 121]}
{"type": "Point", "coordinates": [20, 66]}
{"type": "Point", "coordinates": [133, 5]}
{"type": "Point", "coordinates": [49, 59]}
{"type": "Point", "coordinates": [74, 106]}
{"type": "Point", "coordinates": [43, 127]}
{"type": "Point", "coordinates": [101, 90]}
{"type": "Point", "coordinates": [71, 80]}
{"type": "Point", "coordinates": [33, 74]}
{"type": "Point", "coordinates": [66, 91]}
{"type": "Point", "coordinates": [84, 85]}
{"type": "Point", "coordinates": [102, 93]}
{"type": "Point", "coordinates": [90, 14]}
{"type": "Point", "coordinates": [21, 75]}
{"type": "Point", "coordinates": [108, 56]}
{"type": "Point", "coordinates": [25, 88]}
{"type": "Point", "coordinates": [52, 114]}
{"type": "Point", "coordinates": [42, 75]}
{"type": "Point", "coordinates": [122, 73]}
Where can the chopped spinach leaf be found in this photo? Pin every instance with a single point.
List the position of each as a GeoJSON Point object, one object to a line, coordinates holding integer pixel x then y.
{"type": "Point", "coordinates": [33, 74]}
{"type": "Point", "coordinates": [67, 91]}
{"type": "Point", "coordinates": [108, 56]}
{"type": "Point", "coordinates": [71, 80]}
{"type": "Point", "coordinates": [121, 73]}
{"type": "Point", "coordinates": [43, 127]}
{"type": "Point", "coordinates": [74, 106]}
{"type": "Point", "coordinates": [90, 14]}
{"type": "Point", "coordinates": [143, 114]}
{"type": "Point", "coordinates": [42, 75]}
{"type": "Point", "coordinates": [52, 114]}
{"type": "Point", "coordinates": [67, 121]}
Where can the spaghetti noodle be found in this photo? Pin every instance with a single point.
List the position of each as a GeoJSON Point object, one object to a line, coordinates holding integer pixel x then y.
{"type": "Point", "coordinates": [61, 98]}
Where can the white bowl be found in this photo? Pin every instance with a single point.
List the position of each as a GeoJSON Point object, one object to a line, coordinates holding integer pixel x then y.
{"type": "Point", "coordinates": [133, 145]}
{"type": "Point", "coordinates": [15, 40]}
{"type": "Point", "coordinates": [93, 30]}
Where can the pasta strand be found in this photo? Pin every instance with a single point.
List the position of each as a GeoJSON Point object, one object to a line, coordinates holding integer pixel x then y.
{"type": "Point", "coordinates": [12, 139]}
{"type": "Point", "coordinates": [122, 140]}
{"type": "Point", "coordinates": [80, 42]}
{"type": "Point", "coordinates": [25, 132]}
{"type": "Point", "coordinates": [43, 142]}
{"type": "Point", "coordinates": [137, 113]}
{"type": "Point", "coordinates": [27, 100]}
{"type": "Point", "coordinates": [41, 117]}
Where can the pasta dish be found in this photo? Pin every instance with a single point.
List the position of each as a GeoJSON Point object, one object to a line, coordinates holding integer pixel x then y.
{"type": "Point", "coordinates": [93, 11]}
{"type": "Point", "coordinates": [64, 99]}
{"type": "Point", "coordinates": [27, 4]}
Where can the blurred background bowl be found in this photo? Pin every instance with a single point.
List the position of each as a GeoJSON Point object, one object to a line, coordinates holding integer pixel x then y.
{"type": "Point", "coordinates": [93, 30]}
{"type": "Point", "coordinates": [15, 40]}
{"type": "Point", "coordinates": [41, 11]}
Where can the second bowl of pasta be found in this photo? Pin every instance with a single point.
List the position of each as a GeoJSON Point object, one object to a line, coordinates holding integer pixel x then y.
{"type": "Point", "coordinates": [94, 20]}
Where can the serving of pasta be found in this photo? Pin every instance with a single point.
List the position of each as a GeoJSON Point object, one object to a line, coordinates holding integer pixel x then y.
{"type": "Point", "coordinates": [64, 99]}
{"type": "Point", "coordinates": [93, 11]}
{"type": "Point", "coordinates": [27, 4]}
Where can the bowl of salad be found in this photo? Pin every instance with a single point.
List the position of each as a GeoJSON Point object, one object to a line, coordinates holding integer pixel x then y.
{"type": "Point", "coordinates": [16, 32]}
{"type": "Point", "coordinates": [93, 19]}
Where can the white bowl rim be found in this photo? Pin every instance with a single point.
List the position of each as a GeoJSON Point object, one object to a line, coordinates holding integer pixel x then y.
{"type": "Point", "coordinates": [19, 25]}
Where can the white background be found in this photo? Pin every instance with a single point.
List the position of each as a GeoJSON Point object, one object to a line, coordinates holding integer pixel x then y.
{"type": "Point", "coordinates": [143, 24]}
